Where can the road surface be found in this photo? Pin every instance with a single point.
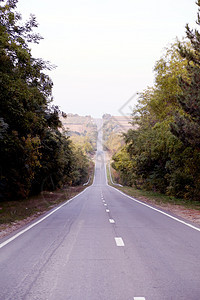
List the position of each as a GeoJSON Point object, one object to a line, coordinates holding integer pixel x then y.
{"type": "Point", "coordinates": [102, 245]}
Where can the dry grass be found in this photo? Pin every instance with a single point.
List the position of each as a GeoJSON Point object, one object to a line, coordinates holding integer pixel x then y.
{"type": "Point", "coordinates": [189, 210]}
{"type": "Point", "coordinates": [15, 214]}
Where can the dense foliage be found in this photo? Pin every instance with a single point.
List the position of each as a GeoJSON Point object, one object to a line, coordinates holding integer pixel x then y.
{"type": "Point", "coordinates": [113, 126]}
{"type": "Point", "coordinates": [33, 152]}
{"type": "Point", "coordinates": [164, 153]}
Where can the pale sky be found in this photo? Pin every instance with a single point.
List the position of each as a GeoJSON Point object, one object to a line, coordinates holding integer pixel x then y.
{"type": "Point", "coordinates": [105, 51]}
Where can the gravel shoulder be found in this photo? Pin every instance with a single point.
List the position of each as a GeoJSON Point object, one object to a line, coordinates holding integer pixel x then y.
{"type": "Point", "coordinates": [189, 214]}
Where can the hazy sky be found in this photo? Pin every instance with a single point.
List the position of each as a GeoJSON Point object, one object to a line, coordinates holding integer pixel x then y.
{"type": "Point", "coordinates": [105, 51]}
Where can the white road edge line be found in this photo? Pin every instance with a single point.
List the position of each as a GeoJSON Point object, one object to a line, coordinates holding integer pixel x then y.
{"type": "Point", "coordinates": [39, 221]}
{"type": "Point", "coordinates": [105, 169]}
{"type": "Point", "coordinates": [119, 242]}
{"type": "Point", "coordinates": [112, 221]}
{"type": "Point", "coordinates": [153, 208]}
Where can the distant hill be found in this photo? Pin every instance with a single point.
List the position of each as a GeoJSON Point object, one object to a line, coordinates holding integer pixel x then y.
{"type": "Point", "coordinates": [82, 130]}
{"type": "Point", "coordinates": [120, 123]}
{"type": "Point", "coordinates": [113, 127]}
{"type": "Point", "coordinates": [115, 124]}
{"type": "Point", "coordinates": [74, 123]}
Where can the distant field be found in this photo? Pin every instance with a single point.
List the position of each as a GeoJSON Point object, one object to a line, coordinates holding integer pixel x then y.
{"type": "Point", "coordinates": [113, 127]}
{"type": "Point", "coordinates": [82, 124]}
{"type": "Point", "coordinates": [78, 124]}
{"type": "Point", "coordinates": [122, 123]}
{"type": "Point", "coordinates": [82, 130]}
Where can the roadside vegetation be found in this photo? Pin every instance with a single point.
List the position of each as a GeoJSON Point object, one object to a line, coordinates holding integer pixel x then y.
{"type": "Point", "coordinates": [163, 154]}
{"type": "Point", "coordinates": [14, 211]}
{"type": "Point", "coordinates": [15, 214]}
{"type": "Point", "coordinates": [187, 209]}
{"type": "Point", "coordinates": [113, 127]}
{"type": "Point", "coordinates": [35, 154]}
{"type": "Point", "coordinates": [150, 196]}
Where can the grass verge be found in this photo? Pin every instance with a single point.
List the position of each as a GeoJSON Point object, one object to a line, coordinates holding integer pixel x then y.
{"type": "Point", "coordinates": [11, 211]}
{"type": "Point", "coordinates": [15, 214]}
{"type": "Point", "coordinates": [187, 209]}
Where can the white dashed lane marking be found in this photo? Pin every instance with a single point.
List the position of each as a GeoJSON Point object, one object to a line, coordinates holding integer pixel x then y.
{"type": "Point", "coordinates": [111, 221]}
{"type": "Point", "coordinates": [105, 204]}
{"type": "Point", "coordinates": [119, 242]}
{"type": "Point", "coordinates": [107, 210]}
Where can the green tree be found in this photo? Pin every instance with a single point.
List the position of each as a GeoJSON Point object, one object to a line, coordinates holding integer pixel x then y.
{"type": "Point", "coordinates": [26, 117]}
{"type": "Point", "coordinates": [159, 159]}
{"type": "Point", "coordinates": [123, 163]}
{"type": "Point", "coordinates": [79, 167]}
{"type": "Point", "coordinates": [186, 126]}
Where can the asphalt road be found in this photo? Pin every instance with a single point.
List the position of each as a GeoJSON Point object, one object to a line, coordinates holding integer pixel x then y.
{"type": "Point", "coordinates": [102, 245]}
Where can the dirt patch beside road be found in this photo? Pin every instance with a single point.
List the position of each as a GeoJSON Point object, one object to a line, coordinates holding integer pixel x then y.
{"type": "Point", "coordinates": [16, 214]}
{"type": "Point", "coordinates": [190, 214]}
